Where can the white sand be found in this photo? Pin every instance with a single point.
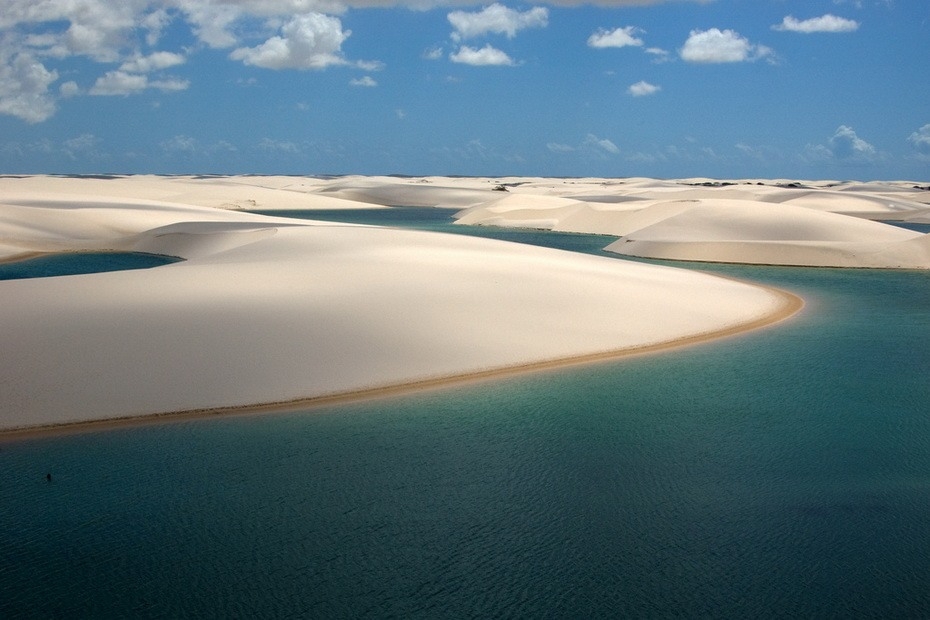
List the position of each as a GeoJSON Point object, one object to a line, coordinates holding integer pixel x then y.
{"type": "Point", "coordinates": [269, 309]}
{"type": "Point", "coordinates": [823, 224]}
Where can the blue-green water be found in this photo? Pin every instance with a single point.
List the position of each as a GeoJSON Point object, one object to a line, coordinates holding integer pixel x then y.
{"type": "Point", "coordinates": [782, 473]}
{"type": "Point", "coordinates": [74, 263]}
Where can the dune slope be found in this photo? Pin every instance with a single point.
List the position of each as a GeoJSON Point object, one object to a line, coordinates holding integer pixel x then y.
{"type": "Point", "coordinates": [268, 309]}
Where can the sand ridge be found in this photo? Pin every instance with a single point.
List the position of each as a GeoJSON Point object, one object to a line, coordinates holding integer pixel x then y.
{"type": "Point", "coordinates": [817, 224]}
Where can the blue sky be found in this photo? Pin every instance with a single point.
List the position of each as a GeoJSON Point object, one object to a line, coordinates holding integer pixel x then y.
{"type": "Point", "coordinates": [720, 88]}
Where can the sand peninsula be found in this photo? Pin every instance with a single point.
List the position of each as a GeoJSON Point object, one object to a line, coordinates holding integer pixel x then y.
{"type": "Point", "coordinates": [267, 310]}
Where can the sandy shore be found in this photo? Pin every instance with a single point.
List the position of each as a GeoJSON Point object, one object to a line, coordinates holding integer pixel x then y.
{"type": "Point", "coordinates": [271, 312]}
{"type": "Point", "coordinates": [792, 304]}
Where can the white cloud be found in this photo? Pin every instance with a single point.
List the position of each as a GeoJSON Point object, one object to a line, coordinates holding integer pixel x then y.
{"type": "Point", "coordinates": [169, 85]}
{"type": "Point", "coordinates": [365, 81]}
{"type": "Point", "coordinates": [643, 88]}
{"type": "Point", "coordinates": [119, 83]}
{"type": "Point", "coordinates": [658, 54]}
{"type": "Point", "coordinates": [721, 46]}
{"type": "Point", "coordinates": [154, 23]}
{"type": "Point", "coordinates": [845, 144]}
{"type": "Point", "coordinates": [428, 4]}
{"type": "Point", "coordinates": [601, 144]}
{"type": "Point", "coordinates": [591, 145]}
{"type": "Point", "coordinates": [618, 37]}
{"type": "Point", "coordinates": [920, 140]}
{"type": "Point", "coordinates": [83, 144]}
{"type": "Point", "coordinates": [311, 41]}
{"type": "Point", "coordinates": [369, 65]}
{"type": "Point", "coordinates": [153, 62]}
{"type": "Point", "coordinates": [433, 53]}
{"type": "Point", "coordinates": [845, 147]}
{"type": "Point", "coordinates": [98, 29]}
{"type": "Point", "coordinates": [69, 89]}
{"type": "Point", "coordinates": [122, 83]}
{"type": "Point", "coordinates": [278, 146]}
{"type": "Point", "coordinates": [556, 147]}
{"type": "Point", "coordinates": [824, 23]}
{"type": "Point", "coordinates": [211, 22]}
{"type": "Point", "coordinates": [181, 143]}
{"type": "Point", "coordinates": [24, 83]}
{"type": "Point", "coordinates": [300, 34]}
{"type": "Point", "coordinates": [496, 19]}
{"type": "Point", "coordinates": [486, 56]}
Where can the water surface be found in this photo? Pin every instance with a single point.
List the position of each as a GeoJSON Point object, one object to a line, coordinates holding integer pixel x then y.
{"type": "Point", "coordinates": [74, 263]}
{"type": "Point", "coordinates": [782, 473]}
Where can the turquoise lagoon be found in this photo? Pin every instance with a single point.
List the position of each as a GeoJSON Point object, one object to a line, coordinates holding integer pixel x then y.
{"type": "Point", "coordinates": [781, 473]}
{"type": "Point", "coordinates": [75, 263]}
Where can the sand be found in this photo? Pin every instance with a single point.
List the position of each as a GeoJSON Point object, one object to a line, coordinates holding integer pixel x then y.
{"type": "Point", "coordinates": [814, 224]}
{"type": "Point", "coordinates": [269, 310]}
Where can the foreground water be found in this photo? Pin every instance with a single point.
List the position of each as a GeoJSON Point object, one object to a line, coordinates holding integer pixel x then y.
{"type": "Point", "coordinates": [74, 263]}
{"type": "Point", "coordinates": [782, 473]}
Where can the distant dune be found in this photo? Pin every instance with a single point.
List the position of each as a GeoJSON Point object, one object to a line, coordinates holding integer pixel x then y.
{"type": "Point", "coordinates": [819, 224]}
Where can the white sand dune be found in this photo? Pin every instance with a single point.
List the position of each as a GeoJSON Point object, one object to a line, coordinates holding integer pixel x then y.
{"type": "Point", "coordinates": [267, 309]}
{"type": "Point", "coordinates": [385, 191]}
{"type": "Point", "coordinates": [816, 224]}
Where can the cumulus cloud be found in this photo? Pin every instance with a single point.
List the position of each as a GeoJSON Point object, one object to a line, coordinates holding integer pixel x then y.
{"type": "Point", "coordinates": [80, 145]}
{"type": "Point", "coordinates": [311, 41]}
{"type": "Point", "coordinates": [845, 144]}
{"type": "Point", "coordinates": [496, 19]}
{"type": "Point", "coordinates": [124, 83]}
{"type": "Point", "coordinates": [721, 46]}
{"type": "Point", "coordinates": [658, 54]}
{"type": "Point", "coordinates": [601, 144]}
{"type": "Point", "coordinates": [24, 83]}
{"type": "Point", "coordinates": [427, 4]}
{"type": "Point", "coordinates": [119, 83]}
{"type": "Point", "coordinates": [298, 34]}
{"type": "Point", "coordinates": [643, 88]}
{"type": "Point", "coordinates": [591, 145]}
{"type": "Point", "coordinates": [153, 62]}
{"type": "Point", "coordinates": [169, 85]}
{"type": "Point", "coordinates": [920, 140]}
{"type": "Point", "coordinates": [433, 53]}
{"type": "Point", "coordinates": [845, 147]}
{"type": "Point", "coordinates": [180, 144]}
{"type": "Point", "coordinates": [824, 23]}
{"type": "Point", "coordinates": [557, 147]}
{"type": "Point", "coordinates": [69, 89]}
{"type": "Point", "coordinates": [486, 56]}
{"type": "Point", "coordinates": [278, 146]}
{"type": "Point", "coordinates": [369, 65]}
{"type": "Point", "coordinates": [365, 81]}
{"type": "Point", "coordinates": [618, 37]}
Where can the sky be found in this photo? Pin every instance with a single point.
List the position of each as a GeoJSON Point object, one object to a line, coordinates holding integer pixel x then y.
{"type": "Point", "coordinates": [806, 89]}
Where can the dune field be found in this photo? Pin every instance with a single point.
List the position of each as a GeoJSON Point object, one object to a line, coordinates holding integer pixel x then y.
{"type": "Point", "coordinates": [266, 310]}
{"type": "Point", "coordinates": [815, 224]}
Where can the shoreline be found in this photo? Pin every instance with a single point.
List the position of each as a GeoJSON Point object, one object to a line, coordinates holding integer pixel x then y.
{"type": "Point", "coordinates": [791, 305]}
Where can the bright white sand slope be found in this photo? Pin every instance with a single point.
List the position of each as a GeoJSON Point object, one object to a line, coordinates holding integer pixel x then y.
{"type": "Point", "coordinates": [823, 225]}
{"type": "Point", "coordinates": [268, 310]}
